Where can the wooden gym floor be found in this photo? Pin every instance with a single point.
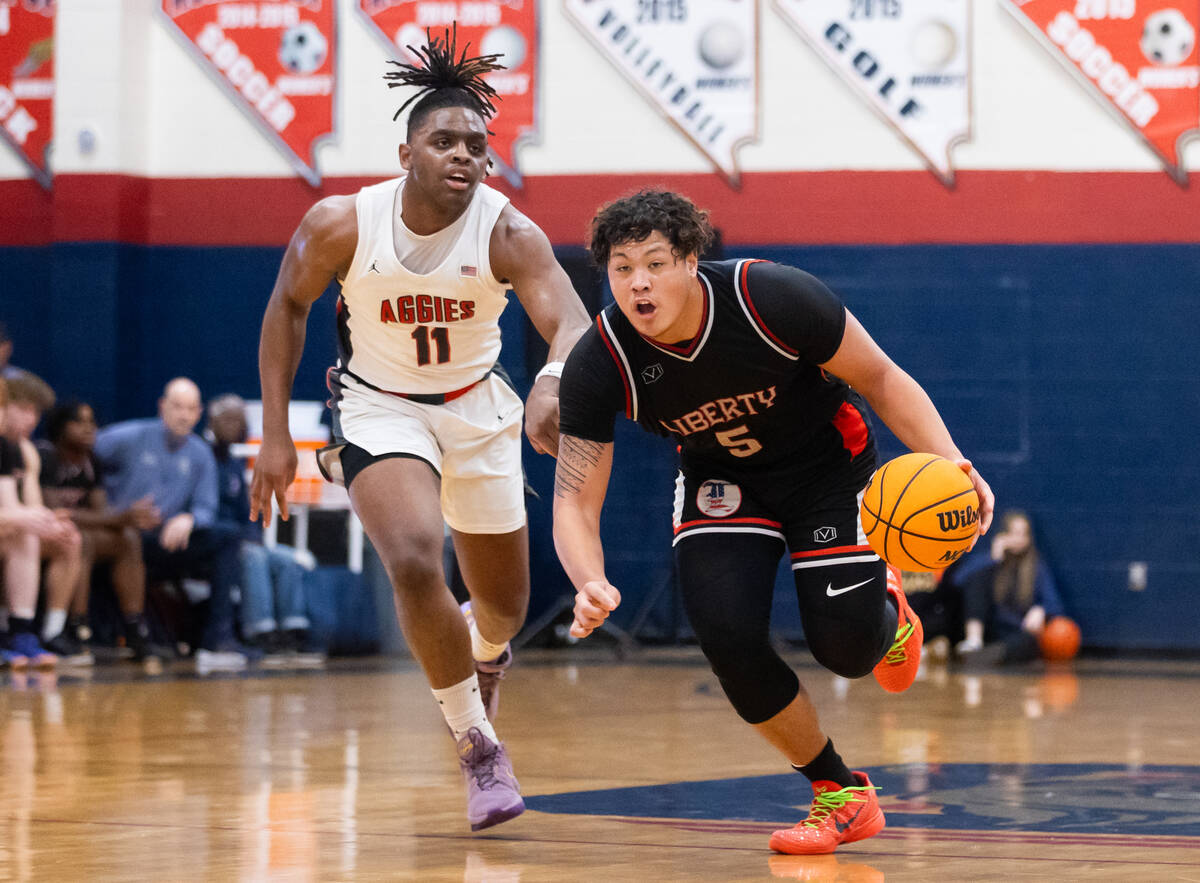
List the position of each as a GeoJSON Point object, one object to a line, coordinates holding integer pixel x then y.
{"type": "Point", "coordinates": [633, 770]}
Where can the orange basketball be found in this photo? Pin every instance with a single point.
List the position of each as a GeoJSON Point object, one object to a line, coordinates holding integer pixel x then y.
{"type": "Point", "coordinates": [920, 512]}
{"type": "Point", "coordinates": [1060, 639]}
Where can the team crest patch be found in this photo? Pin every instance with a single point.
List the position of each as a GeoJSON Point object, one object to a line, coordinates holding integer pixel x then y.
{"type": "Point", "coordinates": [824, 534]}
{"type": "Point", "coordinates": [718, 499]}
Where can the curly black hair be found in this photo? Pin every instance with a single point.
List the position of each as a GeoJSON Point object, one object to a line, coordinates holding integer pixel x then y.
{"type": "Point", "coordinates": [59, 416]}
{"type": "Point", "coordinates": [633, 218]}
{"type": "Point", "coordinates": [442, 81]}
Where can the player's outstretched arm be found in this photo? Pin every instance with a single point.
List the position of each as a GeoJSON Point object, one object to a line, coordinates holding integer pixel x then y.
{"type": "Point", "coordinates": [321, 248]}
{"type": "Point", "coordinates": [521, 254]}
{"type": "Point", "coordinates": [580, 483]}
{"type": "Point", "coordinates": [902, 404]}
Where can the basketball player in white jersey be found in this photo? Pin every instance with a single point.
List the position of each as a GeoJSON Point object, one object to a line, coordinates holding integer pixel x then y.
{"type": "Point", "coordinates": [424, 428]}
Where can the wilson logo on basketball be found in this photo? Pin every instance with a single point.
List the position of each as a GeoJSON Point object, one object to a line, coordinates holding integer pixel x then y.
{"type": "Point", "coordinates": [919, 512]}
{"type": "Point", "coordinates": [956, 518]}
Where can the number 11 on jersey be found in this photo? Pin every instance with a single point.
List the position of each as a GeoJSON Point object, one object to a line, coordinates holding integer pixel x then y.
{"type": "Point", "coordinates": [441, 339]}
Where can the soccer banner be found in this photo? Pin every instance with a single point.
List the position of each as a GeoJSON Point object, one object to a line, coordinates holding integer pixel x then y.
{"type": "Point", "coordinates": [1137, 57]}
{"type": "Point", "coordinates": [508, 28]}
{"type": "Point", "coordinates": [27, 81]}
{"type": "Point", "coordinates": [276, 59]}
{"type": "Point", "coordinates": [697, 62]}
{"type": "Point", "coordinates": [910, 61]}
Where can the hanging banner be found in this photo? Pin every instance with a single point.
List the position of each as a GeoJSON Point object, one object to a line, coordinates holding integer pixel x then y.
{"type": "Point", "coordinates": [697, 62]}
{"type": "Point", "coordinates": [909, 59]}
{"type": "Point", "coordinates": [1137, 57]}
{"type": "Point", "coordinates": [508, 28]}
{"type": "Point", "coordinates": [27, 81]}
{"type": "Point", "coordinates": [276, 59]}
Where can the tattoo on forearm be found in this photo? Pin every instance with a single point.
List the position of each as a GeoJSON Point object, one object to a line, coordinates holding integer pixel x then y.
{"type": "Point", "coordinates": [577, 457]}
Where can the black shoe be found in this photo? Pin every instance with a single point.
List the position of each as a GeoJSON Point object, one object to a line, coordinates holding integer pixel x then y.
{"type": "Point", "coordinates": [987, 656]}
{"type": "Point", "coordinates": [78, 627]}
{"type": "Point", "coordinates": [269, 643]}
{"type": "Point", "coordinates": [302, 641]}
{"type": "Point", "coordinates": [137, 639]}
{"type": "Point", "coordinates": [144, 650]}
{"type": "Point", "coordinates": [69, 650]}
{"type": "Point", "coordinates": [305, 650]}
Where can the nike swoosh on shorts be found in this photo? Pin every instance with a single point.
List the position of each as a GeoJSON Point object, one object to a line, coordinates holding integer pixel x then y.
{"type": "Point", "coordinates": [833, 593]}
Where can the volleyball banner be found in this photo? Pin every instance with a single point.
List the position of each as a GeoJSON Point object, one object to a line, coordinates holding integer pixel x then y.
{"type": "Point", "coordinates": [276, 59]}
{"type": "Point", "coordinates": [697, 63]}
{"type": "Point", "coordinates": [27, 81]}
{"type": "Point", "coordinates": [508, 28]}
{"type": "Point", "coordinates": [911, 62]}
{"type": "Point", "coordinates": [1137, 57]}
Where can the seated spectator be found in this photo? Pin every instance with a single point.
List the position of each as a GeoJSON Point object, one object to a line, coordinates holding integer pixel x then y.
{"type": "Point", "coordinates": [28, 398]}
{"type": "Point", "coordinates": [70, 482]}
{"type": "Point", "coordinates": [161, 459]}
{"type": "Point", "coordinates": [1007, 603]}
{"type": "Point", "coordinates": [938, 602]}
{"type": "Point", "coordinates": [22, 528]}
{"type": "Point", "coordinates": [274, 612]}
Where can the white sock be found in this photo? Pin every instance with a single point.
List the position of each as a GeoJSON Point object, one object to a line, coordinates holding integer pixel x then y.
{"type": "Point", "coordinates": [463, 709]}
{"type": "Point", "coordinates": [482, 649]}
{"type": "Point", "coordinates": [53, 624]}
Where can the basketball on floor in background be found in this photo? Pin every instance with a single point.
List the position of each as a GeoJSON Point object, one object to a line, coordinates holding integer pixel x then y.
{"type": "Point", "coordinates": [1060, 639]}
{"type": "Point", "coordinates": [920, 512]}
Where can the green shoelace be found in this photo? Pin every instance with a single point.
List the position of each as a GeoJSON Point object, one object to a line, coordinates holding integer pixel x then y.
{"type": "Point", "coordinates": [832, 801]}
{"type": "Point", "coordinates": [896, 654]}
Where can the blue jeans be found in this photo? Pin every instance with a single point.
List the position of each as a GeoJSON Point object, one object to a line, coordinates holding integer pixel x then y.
{"type": "Point", "coordinates": [272, 590]}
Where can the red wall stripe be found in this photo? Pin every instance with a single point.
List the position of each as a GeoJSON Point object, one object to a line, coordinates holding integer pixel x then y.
{"type": "Point", "coordinates": [791, 208]}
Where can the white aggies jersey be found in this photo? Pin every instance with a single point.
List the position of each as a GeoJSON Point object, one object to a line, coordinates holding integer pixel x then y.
{"type": "Point", "coordinates": [409, 332]}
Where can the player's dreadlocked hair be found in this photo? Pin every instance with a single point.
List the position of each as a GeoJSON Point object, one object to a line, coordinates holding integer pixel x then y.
{"type": "Point", "coordinates": [444, 82]}
{"type": "Point", "coordinates": [635, 217]}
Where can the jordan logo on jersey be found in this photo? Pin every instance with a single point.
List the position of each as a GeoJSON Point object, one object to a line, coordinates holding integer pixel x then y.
{"type": "Point", "coordinates": [373, 268]}
{"type": "Point", "coordinates": [721, 410]}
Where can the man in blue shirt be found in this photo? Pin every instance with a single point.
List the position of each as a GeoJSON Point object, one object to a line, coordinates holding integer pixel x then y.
{"type": "Point", "coordinates": [274, 611]}
{"type": "Point", "coordinates": [161, 459]}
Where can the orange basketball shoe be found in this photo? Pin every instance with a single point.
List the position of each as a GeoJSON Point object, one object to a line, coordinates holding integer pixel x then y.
{"type": "Point", "coordinates": [898, 668]}
{"type": "Point", "coordinates": [838, 815]}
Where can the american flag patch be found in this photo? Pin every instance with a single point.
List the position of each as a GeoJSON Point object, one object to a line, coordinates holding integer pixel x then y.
{"type": "Point", "coordinates": [465, 270]}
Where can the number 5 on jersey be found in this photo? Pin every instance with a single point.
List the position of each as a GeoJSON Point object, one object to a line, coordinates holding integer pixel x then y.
{"type": "Point", "coordinates": [737, 441]}
{"type": "Point", "coordinates": [441, 339]}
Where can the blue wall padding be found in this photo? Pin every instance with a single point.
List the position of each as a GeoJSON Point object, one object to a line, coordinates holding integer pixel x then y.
{"type": "Point", "coordinates": [1066, 372]}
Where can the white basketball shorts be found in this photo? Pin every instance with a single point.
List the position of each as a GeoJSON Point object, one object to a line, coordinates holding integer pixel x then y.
{"type": "Point", "coordinates": [473, 442]}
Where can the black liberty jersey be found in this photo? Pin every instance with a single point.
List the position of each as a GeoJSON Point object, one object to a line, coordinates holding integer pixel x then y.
{"type": "Point", "coordinates": [747, 391]}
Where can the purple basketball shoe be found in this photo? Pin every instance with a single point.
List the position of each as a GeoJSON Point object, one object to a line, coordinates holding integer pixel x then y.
{"type": "Point", "coordinates": [493, 794]}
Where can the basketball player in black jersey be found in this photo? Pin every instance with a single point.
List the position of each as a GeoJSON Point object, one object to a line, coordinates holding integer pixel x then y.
{"type": "Point", "coordinates": [756, 369]}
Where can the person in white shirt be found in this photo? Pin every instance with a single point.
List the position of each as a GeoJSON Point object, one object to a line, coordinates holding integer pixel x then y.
{"type": "Point", "coordinates": [424, 428]}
